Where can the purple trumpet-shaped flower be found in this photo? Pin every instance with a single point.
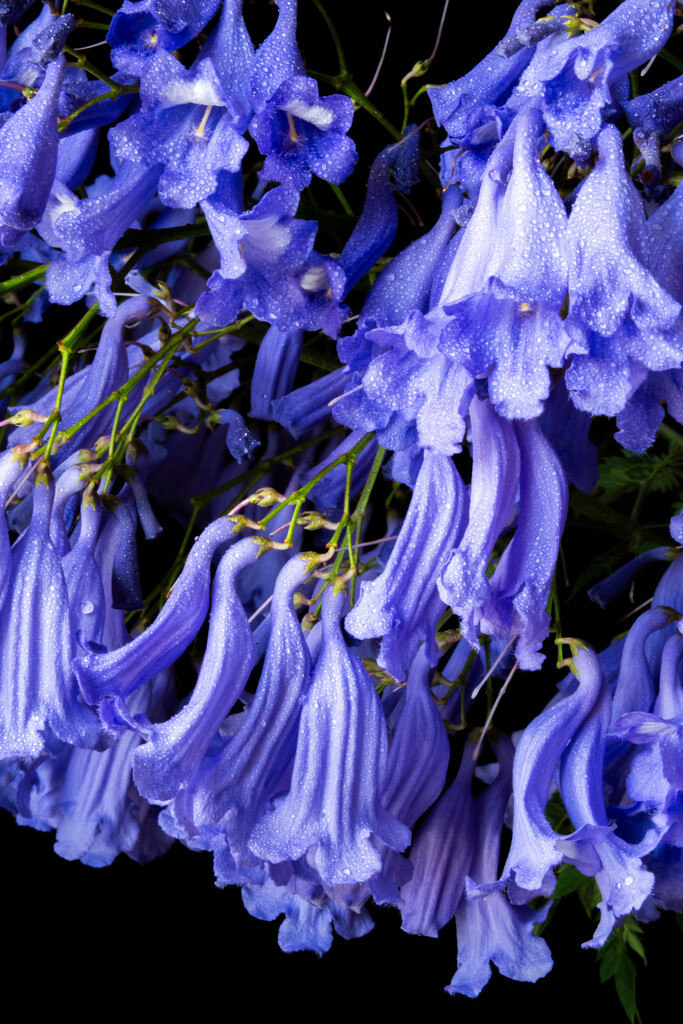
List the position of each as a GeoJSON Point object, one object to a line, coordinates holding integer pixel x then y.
{"type": "Point", "coordinates": [186, 126]}
{"type": "Point", "coordinates": [656, 776]}
{"type": "Point", "coordinates": [406, 283]}
{"type": "Point", "coordinates": [495, 313]}
{"type": "Point", "coordinates": [623, 881]}
{"type": "Point", "coordinates": [277, 58]}
{"type": "Point", "coordinates": [302, 134]}
{"type": "Point", "coordinates": [32, 51]}
{"type": "Point", "coordinates": [88, 229]}
{"type": "Point", "coordinates": [267, 264]}
{"type": "Point", "coordinates": [28, 158]}
{"type": "Point", "coordinates": [333, 807]}
{"type": "Point", "coordinates": [441, 855]}
{"type": "Point", "coordinates": [141, 29]}
{"type": "Point", "coordinates": [237, 779]}
{"type": "Point", "coordinates": [82, 576]}
{"type": "Point", "coordinates": [652, 116]}
{"type": "Point", "coordinates": [175, 748]}
{"type": "Point", "coordinates": [472, 109]}
{"type": "Point", "coordinates": [377, 224]}
{"type": "Point", "coordinates": [489, 928]}
{"type": "Point", "coordinates": [400, 605]}
{"type": "Point", "coordinates": [40, 701]}
{"type": "Point", "coordinates": [114, 675]}
{"type": "Point", "coordinates": [622, 321]}
{"type": "Point", "coordinates": [416, 771]}
{"type": "Point", "coordinates": [534, 850]}
{"type": "Point", "coordinates": [639, 420]}
{"type": "Point", "coordinates": [571, 79]}
{"type": "Point", "coordinates": [511, 324]}
{"type": "Point", "coordinates": [518, 590]}
{"type": "Point", "coordinates": [239, 439]}
{"type": "Point", "coordinates": [307, 925]}
{"type": "Point", "coordinates": [495, 480]}
{"type": "Point", "coordinates": [305, 407]}
{"type": "Point", "coordinates": [618, 581]}
{"type": "Point", "coordinates": [90, 799]}
{"type": "Point", "coordinates": [231, 51]}
{"type": "Point", "coordinates": [635, 688]}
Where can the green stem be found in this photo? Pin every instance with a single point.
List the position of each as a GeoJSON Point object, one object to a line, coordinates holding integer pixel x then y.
{"type": "Point", "coordinates": [67, 346]}
{"type": "Point", "coordinates": [344, 83]}
{"type": "Point", "coordinates": [131, 424]}
{"type": "Point", "coordinates": [112, 444]}
{"type": "Point", "coordinates": [292, 525]}
{"type": "Point", "coordinates": [92, 6]}
{"type": "Point", "coordinates": [672, 59]}
{"type": "Point", "coordinates": [85, 65]}
{"type": "Point", "coordinates": [342, 199]}
{"type": "Point", "coordinates": [347, 515]}
{"type": "Point", "coordinates": [98, 26]}
{"type": "Point", "coordinates": [359, 513]}
{"type": "Point", "coordinates": [22, 279]}
{"type": "Point", "coordinates": [300, 494]}
{"type": "Point", "coordinates": [56, 414]}
{"type": "Point", "coordinates": [121, 393]}
{"type": "Point", "coordinates": [406, 106]}
{"type": "Point", "coordinates": [335, 38]}
{"type": "Point", "coordinates": [113, 94]}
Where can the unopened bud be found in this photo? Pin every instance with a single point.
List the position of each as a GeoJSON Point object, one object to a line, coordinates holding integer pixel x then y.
{"type": "Point", "coordinates": [266, 496]}
{"type": "Point", "coordinates": [242, 523]}
{"type": "Point", "coordinates": [309, 620]}
{"type": "Point", "coordinates": [24, 417]}
{"type": "Point", "coordinates": [315, 521]}
{"type": "Point", "coordinates": [20, 451]}
{"type": "Point", "coordinates": [266, 544]}
{"type": "Point", "coordinates": [447, 638]}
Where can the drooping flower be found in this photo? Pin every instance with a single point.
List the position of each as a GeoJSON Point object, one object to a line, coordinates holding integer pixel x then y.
{"type": "Point", "coordinates": [490, 929]}
{"type": "Point", "coordinates": [333, 807]}
{"type": "Point", "coordinates": [40, 700]}
{"type": "Point", "coordinates": [28, 158]}
{"type": "Point", "coordinates": [402, 606]}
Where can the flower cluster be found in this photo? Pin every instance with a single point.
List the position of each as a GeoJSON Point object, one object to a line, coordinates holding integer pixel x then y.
{"type": "Point", "coordinates": [327, 750]}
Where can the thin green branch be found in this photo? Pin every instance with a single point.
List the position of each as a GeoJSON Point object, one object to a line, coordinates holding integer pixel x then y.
{"type": "Point", "coordinates": [21, 279]}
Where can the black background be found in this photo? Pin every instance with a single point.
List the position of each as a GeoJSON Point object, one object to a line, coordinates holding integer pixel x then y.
{"type": "Point", "coordinates": [140, 939]}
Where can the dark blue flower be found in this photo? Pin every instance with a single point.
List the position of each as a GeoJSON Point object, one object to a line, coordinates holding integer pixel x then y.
{"type": "Point", "coordinates": [187, 125]}
{"type": "Point", "coordinates": [139, 30]}
{"type": "Point", "coordinates": [301, 134]}
{"type": "Point", "coordinates": [28, 158]}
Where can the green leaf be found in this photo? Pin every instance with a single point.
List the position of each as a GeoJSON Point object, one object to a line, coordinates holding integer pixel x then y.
{"type": "Point", "coordinates": [609, 963]}
{"type": "Point", "coordinates": [589, 894]}
{"type": "Point", "coordinates": [615, 962]}
{"type": "Point", "coordinates": [568, 880]}
{"type": "Point", "coordinates": [632, 930]}
{"type": "Point", "coordinates": [625, 984]}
